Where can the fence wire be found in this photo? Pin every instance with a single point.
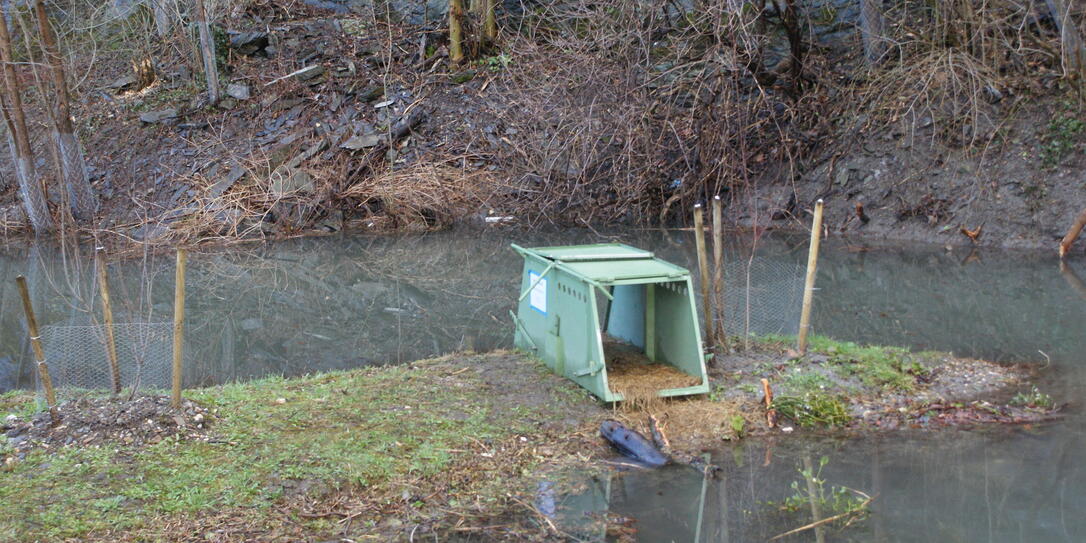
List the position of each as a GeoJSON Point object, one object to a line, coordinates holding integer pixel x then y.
{"type": "Point", "coordinates": [83, 202]}
{"type": "Point", "coordinates": [79, 364]}
{"type": "Point", "coordinates": [761, 296]}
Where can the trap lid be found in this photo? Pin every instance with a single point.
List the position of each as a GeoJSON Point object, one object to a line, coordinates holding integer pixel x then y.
{"type": "Point", "coordinates": [608, 262]}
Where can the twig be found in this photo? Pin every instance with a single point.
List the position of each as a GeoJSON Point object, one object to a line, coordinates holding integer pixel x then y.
{"type": "Point", "coordinates": [824, 521]}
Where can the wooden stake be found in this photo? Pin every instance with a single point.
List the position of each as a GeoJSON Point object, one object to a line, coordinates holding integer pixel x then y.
{"type": "Point", "coordinates": [770, 413]}
{"type": "Point", "coordinates": [107, 317]}
{"type": "Point", "coordinates": [718, 272]}
{"type": "Point", "coordinates": [1072, 233]}
{"type": "Point", "coordinates": [812, 269]}
{"type": "Point", "coordinates": [178, 326]}
{"type": "Point", "coordinates": [703, 266]}
{"type": "Point", "coordinates": [39, 354]}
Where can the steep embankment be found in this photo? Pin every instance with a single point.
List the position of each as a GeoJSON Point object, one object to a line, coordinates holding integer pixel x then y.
{"type": "Point", "coordinates": [346, 117]}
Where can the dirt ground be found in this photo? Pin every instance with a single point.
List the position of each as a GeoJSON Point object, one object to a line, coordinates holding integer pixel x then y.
{"type": "Point", "coordinates": [504, 421]}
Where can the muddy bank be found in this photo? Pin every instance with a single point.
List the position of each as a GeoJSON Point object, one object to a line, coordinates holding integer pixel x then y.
{"type": "Point", "coordinates": [451, 446]}
{"type": "Point", "coordinates": [338, 117]}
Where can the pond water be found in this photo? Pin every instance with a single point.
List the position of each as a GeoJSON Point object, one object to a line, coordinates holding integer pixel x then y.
{"type": "Point", "coordinates": [318, 304]}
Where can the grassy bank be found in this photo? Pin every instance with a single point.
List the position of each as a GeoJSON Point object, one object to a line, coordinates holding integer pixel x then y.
{"type": "Point", "coordinates": [455, 444]}
{"type": "Point", "coordinates": [362, 452]}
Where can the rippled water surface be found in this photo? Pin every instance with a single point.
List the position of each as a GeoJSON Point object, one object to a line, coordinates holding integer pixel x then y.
{"type": "Point", "coordinates": [317, 304]}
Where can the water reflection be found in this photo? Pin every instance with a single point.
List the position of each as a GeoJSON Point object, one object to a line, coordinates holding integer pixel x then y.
{"type": "Point", "coordinates": [1020, 486]}
{"type": "Point", "coordinates": [318, 304]}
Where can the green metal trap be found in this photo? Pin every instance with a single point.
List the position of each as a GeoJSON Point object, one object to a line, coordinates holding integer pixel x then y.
{"type": "Point", "coordinates": [647, 303]}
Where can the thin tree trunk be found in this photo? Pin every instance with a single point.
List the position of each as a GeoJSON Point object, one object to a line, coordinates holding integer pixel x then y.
{"type": "Point", "coordinates": [207, 51]}
{"type": "Point", "coordinates": [30, 185]}
{"type": "Point", "coordinates": [1071, 44]}
{"type": "Point", "coordinates": [81, 198]}
{"type": "Point", "coordinates": [456, 46]}
{"type": "Point", "coordinates": [490, 24]}
{"type": "Point", "coordinates": [164, 16]}
{"type": "Point", "coordinates": [872, 30]}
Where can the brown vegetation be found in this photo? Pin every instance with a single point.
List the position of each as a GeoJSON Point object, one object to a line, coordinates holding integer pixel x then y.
{"type": "Point", "coordinates": [601, 112]}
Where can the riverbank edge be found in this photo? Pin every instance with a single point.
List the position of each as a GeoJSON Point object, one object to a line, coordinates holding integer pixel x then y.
{"type": "Point", "coordinates": [455, 444]}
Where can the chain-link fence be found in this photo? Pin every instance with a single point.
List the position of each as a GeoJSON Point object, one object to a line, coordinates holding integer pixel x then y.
{"type": "Point", "coordinates": [79, 364]}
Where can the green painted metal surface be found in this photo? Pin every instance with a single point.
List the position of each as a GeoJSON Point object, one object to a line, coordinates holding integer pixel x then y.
{"type": "Point", "coordinates": [572, 296]}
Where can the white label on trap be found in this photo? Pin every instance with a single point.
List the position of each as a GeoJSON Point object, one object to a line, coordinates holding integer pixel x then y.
{"type": "Point", "coordinates": [538, 297]}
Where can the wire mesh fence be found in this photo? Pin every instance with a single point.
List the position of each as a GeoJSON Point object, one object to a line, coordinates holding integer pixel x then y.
{"type": "Point", "coordinates": [761, 296]}
{"type": "Point", "coordinates": [83, 202]}
{"type": "Point", "coordinates": [79, 364]}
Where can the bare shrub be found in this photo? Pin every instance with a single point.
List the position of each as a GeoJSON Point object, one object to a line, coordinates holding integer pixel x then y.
{"type": "Point", "coordinates": [955, 61]}
{"type": "Point", "coordinates": [621, 108]}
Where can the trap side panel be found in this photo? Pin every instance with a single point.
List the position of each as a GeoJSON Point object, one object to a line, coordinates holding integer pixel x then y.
{"type": "Point", "coordinates": [557, 321]}
{"type": "Point", "coordinates": [678, 340]}
{"type": "Point", "coordinates": [572, 329]}
{"type": "Point", "coordinates": [626, 314]}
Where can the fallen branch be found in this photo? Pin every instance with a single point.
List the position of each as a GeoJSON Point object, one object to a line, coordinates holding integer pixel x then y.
{"type": "Point", "coordinates": [1072, 233]}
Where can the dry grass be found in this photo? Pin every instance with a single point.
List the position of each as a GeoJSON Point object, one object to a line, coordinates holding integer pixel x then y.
{"type": "Point", "coordinates": [425, 195]}
{"type": "Point", "coordinates": [638, 379]}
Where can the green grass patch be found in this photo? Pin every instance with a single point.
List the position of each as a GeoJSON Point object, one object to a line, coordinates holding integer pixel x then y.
{"type": "Point", "coordinates": [876, 366]}
{"type": "Point", "coordinates": [371, 429]}
{"type": "Point", "coordinates": [813, 409]}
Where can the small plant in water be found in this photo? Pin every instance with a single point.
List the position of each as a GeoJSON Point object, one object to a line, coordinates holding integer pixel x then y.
{"type": "Point", "coordinates": [837, 505]}
{"type": "Point", "coordinates": [1034, 398]}
{"type": "Point", "coordinates": [811, 488]}
{"type": "Point", "coordinates": [739, 426]}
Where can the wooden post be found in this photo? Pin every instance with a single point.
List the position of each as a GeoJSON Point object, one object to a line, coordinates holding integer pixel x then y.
{"type": "Point", "coordinates": [107, 317]}
{"type": "Point", "coordinates": [178, 327]}
{"type": "Point", "coordinates": [718, 272]}
{"type": "Point", "coordinates": [770, 413]}
{"type": "Point", "coordinates": [703, 266]}
{"type": "Point", "coordinates": [812, 268]}
{"type": "Point", "coordinates": [35, 342]}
